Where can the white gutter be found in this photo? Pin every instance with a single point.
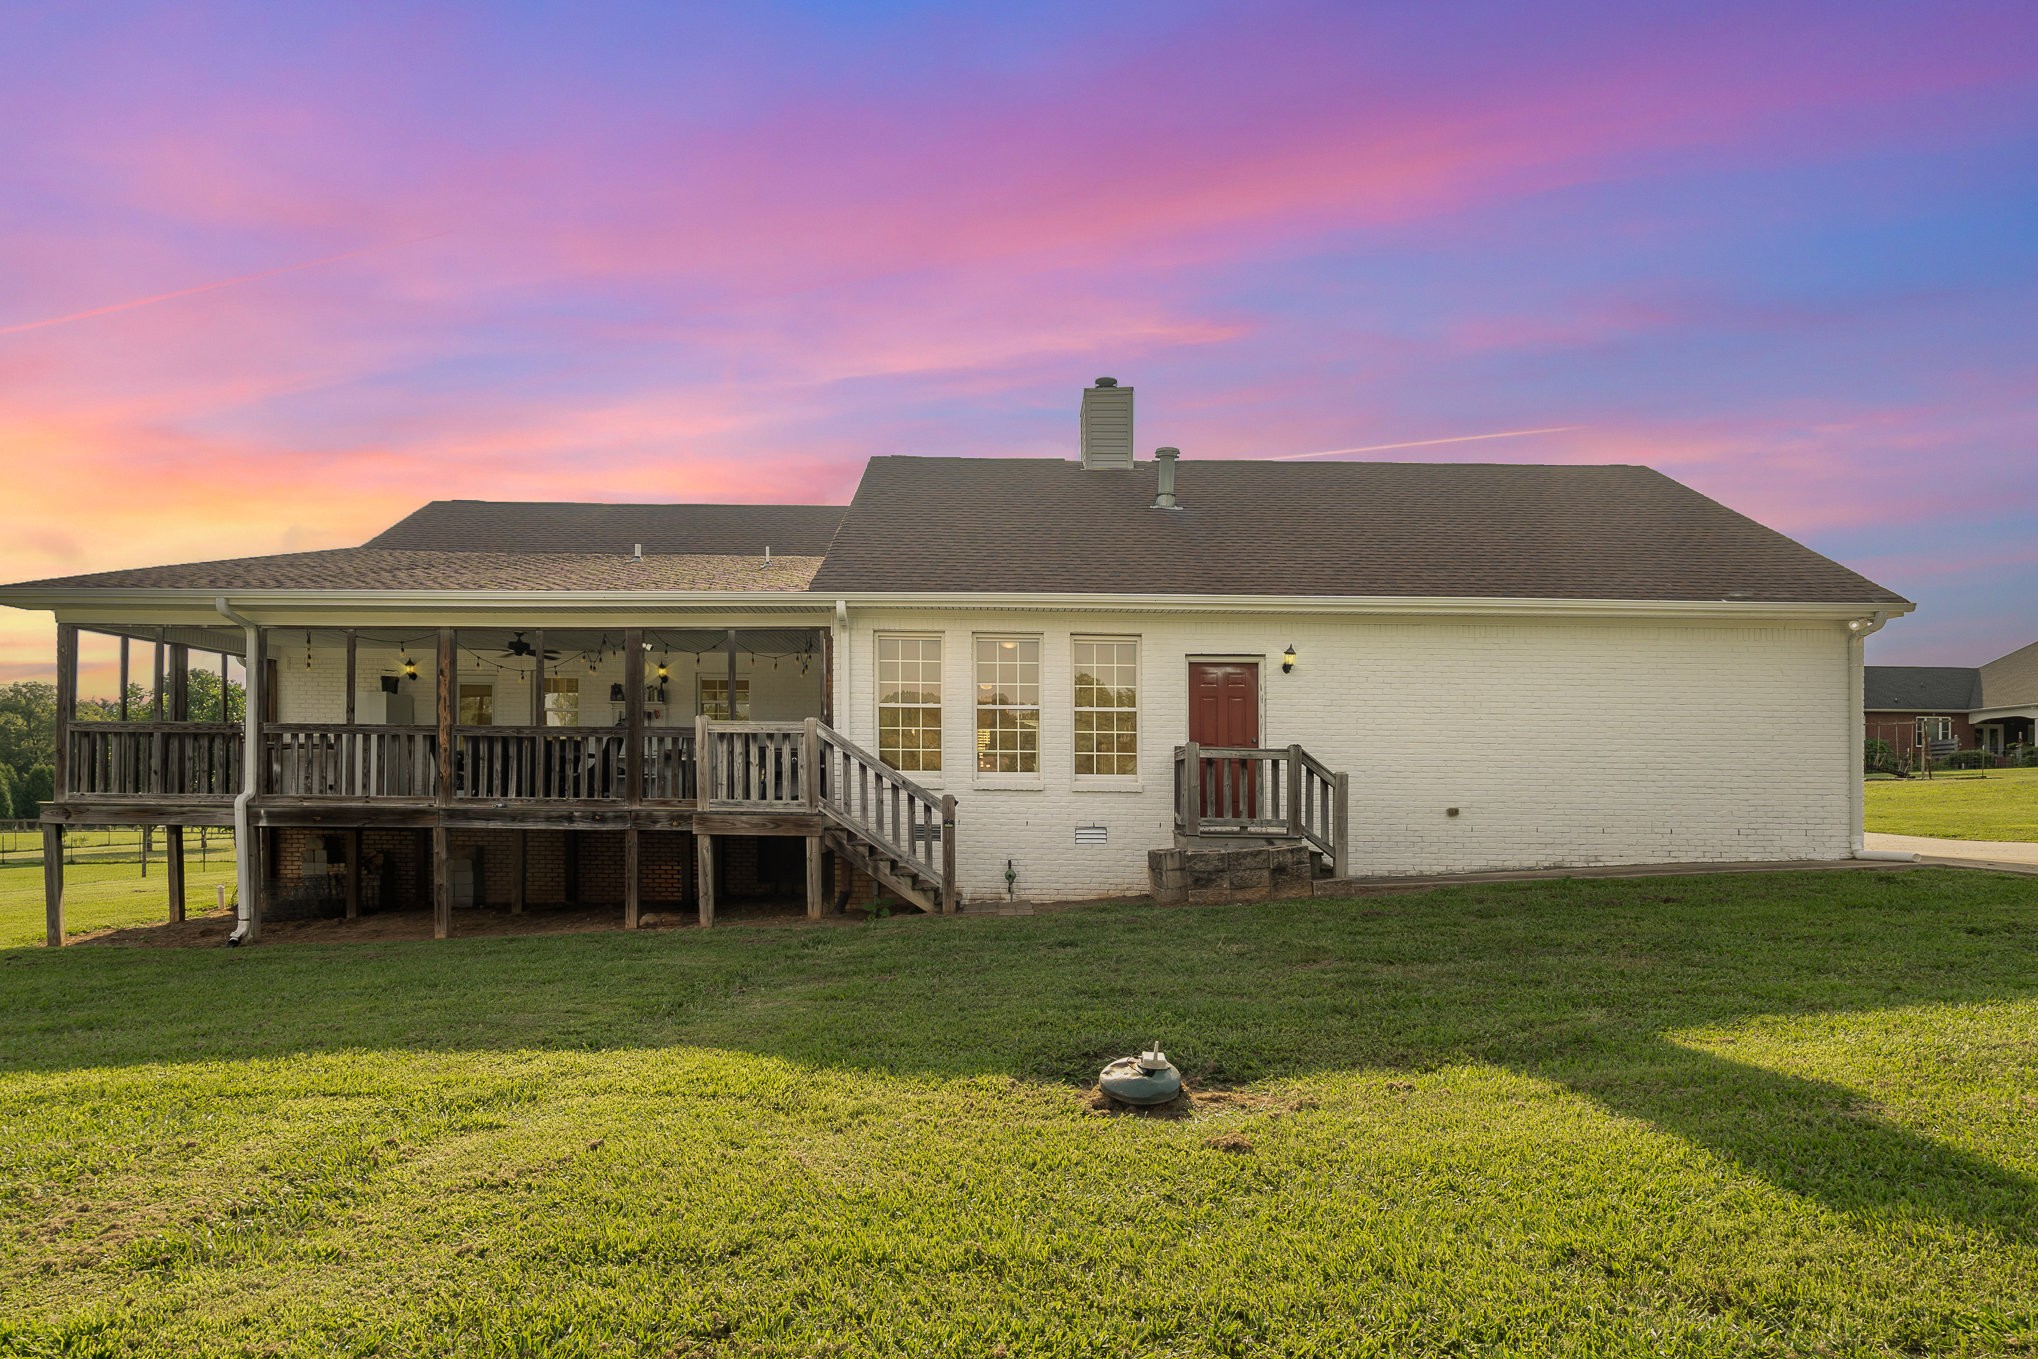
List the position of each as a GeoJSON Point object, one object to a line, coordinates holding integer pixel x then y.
{"type": "Point", "coordinates": [1859, 630]}
{"type": "Point", "coordinates": [251, 768]}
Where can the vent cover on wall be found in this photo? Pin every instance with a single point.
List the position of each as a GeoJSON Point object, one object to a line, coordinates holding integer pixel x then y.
{"type": "Point", "coordinates": [1093, 835]}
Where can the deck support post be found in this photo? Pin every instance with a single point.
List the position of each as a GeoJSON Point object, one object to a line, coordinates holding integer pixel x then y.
{"type": "Point", "coordinates": [448, 698]}
{"type": "Point", "coordinates": [354, 872]}
{"type": "Point", "coordinates": [353, 647]}
{"type": "Point", "coordinates": [633, 723]}
{"type": "Point", "coordinates": [67, 706]}
{"type": "Point", "coordinates": [1293, 792]}
{"type": "Point", "coordinates": [538, 680]}
{"type": "Point", "coordinates": [704, 876]}
{"type": "Point", "coordinates": [173, 870]}
{"type": "Point", "coordinates": [520, 854]}
{"type": "Point", "coordinates": [1192, 788]}
{"type": "Point", "coordinates": [731, 714]}
{"type": "Point", "coordinates": [817, 894]}
{"type": "Point", "coordinates": [125, 714]}
{"type": "Point", "coordinates": [1341, 828]}
{"type": "Point", "coordinates": [442, 885]}
{"type": "Point", "coordinates": [631, 850]}
{"type": "Point", "coordinates": [951, 897]}
{"type": "Point", "coordinates": [53, 883]}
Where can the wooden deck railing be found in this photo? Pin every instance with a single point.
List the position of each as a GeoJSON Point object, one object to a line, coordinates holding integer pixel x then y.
{"type": "Point", "coordinates": [1257, 792]}
{"type": "Point", "coordinates": [752, 764]}
{"type": "Point", "coordinates": [199, 761]}
{"type": "Point", "coordinates": [308, 759]}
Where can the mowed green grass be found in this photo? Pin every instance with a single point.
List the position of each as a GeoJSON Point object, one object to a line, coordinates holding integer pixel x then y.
{"type": "Point", "coordinates": [1735, 1115]}
{"type": "Point", "coordinates": [100, 896]}
{"type": "Point", "coordinates": [2001, 806]}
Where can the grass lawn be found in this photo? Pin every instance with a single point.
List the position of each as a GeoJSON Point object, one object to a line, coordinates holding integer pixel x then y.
{"type": "Point", "coordinates": [101, 896]}
{"type": "Point", "coordinates": [1959, 806]}
{"type": "Point", "coordinates": [1788, 1114]}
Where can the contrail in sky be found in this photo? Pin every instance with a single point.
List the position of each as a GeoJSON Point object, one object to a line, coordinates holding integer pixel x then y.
{"type": "Point", "coordinates": [1426, 443]}
{"type": "Point", "coordinates": [131, 304]}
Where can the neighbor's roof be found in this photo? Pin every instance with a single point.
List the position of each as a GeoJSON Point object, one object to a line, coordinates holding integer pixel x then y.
{"type": "Point", "coordinates": [557, 526]}
{"type": "Point", "coordinates": [1439, 530]}
{"type": "Point", "coordinates": [2011, 681]}
{"type": "Point", "coordinates": [1920, 688]}
{"type": "Point", "coordinates": [530, 545]}
{"type": "Point", "coordinates": [374, 568]}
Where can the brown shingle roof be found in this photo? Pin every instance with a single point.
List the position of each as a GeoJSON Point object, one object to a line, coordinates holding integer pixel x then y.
{"type": "Point", "coordinates": [371, 568]}
{"type": "Point", "coordinates": [1450, 530]}
{"type": "Point", "coordinates": [558, 526]}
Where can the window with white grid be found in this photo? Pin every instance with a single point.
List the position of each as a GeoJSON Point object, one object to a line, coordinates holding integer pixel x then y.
{"type": "Point", "coordinates": [1107, 706]}
{"type": "Point", "coordinates": [1008, 705]}
{"type": "Point", "coordinates": [909, 702]}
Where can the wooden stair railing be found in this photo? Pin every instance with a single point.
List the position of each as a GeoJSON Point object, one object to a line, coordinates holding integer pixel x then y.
{"type": "Point", "coordinates": [1262, 793]}
{"type": "Point", "coordinates": [899, 833]}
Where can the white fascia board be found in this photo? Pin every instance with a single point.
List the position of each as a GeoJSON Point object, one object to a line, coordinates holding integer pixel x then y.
{"type": "Point", "coordinates": [597, 608]}
{"type": "Point", "coordinates": [2005, 710]}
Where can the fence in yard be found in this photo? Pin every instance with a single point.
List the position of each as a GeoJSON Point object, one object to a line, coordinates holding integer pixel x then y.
{"type": "Point", "coordinates": [21, 846]}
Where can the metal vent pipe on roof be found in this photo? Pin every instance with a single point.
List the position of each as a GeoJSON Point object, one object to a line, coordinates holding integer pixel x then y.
{"type": "Point", "coordinates": [1164, 468]}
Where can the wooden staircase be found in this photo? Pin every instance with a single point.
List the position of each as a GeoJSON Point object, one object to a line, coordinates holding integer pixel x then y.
{"type": "Point", "coordinates": [900, 834]}
{"type": "Point", "coordinates": [873, 816]}
{"type": "Point", "coordinates": [1260, 793]}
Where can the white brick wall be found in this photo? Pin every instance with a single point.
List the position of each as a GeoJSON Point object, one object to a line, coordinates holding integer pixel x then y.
{"type": "Point", "coordinates": [1561, 742]}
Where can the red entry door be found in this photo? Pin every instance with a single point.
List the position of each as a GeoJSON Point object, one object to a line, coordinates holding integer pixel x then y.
{"type": "Point", "coordinates": [1224, 710]}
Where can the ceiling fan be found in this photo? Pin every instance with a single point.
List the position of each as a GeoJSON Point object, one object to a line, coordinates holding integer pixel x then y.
{"type": "Point", "coordinates": [519, 647]}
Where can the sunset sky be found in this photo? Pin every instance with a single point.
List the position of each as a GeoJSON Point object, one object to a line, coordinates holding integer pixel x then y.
{"type": "Point", "coordinates": [268, 280]}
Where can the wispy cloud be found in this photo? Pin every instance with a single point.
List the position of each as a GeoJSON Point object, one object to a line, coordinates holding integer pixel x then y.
{"type": "Point", "coordinates": [1426, 443]}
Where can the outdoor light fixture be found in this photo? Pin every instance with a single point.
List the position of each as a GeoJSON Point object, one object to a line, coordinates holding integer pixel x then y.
{"type": "Point", "coordinates": [1288, 660]}
{"type": "Point", "coordinates": [615, 693]}
{"type": "Point", "coordinates": [664, 670]}
{"type": "Point", "coordinates": [410, 668]}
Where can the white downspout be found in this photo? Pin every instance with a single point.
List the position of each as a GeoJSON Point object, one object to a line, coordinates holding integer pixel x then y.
{"type": "Point", "coordinates": [840, 698]}
{"type": "Point", "coordinates": [251, 768]}
{"type": "Point", "coordinates": [1858, 632]}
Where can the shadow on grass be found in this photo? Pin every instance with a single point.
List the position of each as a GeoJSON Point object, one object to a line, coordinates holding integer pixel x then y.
{"type": "Point", "coordinates": [1575, 983]}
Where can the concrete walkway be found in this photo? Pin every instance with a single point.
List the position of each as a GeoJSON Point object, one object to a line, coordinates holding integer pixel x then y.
{"type": "Point", "coordinates": [2015, 856]}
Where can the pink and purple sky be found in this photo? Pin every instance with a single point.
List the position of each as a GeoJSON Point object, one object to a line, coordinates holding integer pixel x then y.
{"type": "Point", "coordinates": [270, 276]}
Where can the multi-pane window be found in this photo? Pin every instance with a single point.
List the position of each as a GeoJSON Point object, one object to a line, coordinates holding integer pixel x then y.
{"type": "Point", "coordinates": [1008, 705]}
{"type": "Point", "coordinates": [909, 703]}
{"type": "Point", "coordinates": [562, 701]}
{"type": "Point", "coordinates": [477, 705]}
{"type": "Point", "coordinates": [1935, 728]}
{"type": "Point", "coordinates": [715, 699]}
{"type": "Point", "coordinates": [1107, 706]}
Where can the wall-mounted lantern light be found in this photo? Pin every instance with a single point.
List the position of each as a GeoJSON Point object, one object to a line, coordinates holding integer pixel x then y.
{"type": "Point", "coordinates": [410, 668]}
{"type": "Point", "coordinates": [615, 693]}
{"type": "Point", "coordinates": [1288, 660]}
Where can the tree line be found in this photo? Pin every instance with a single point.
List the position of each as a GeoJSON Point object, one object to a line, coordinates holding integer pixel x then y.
{"type": "Point", "coordinates": [28, 730]}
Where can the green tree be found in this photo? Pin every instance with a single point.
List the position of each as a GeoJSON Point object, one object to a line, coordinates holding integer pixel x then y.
{"type": "Point", "coordinates": [29, 795]}
{"type": "Point", "coordinates": [28, 725]}
{"type": "Point", "coordinates": [7, 783]}
{"type": "Point", "coordinates": [204, 698]}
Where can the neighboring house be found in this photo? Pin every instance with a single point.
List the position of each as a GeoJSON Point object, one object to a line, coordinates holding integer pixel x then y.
{"type": "Point", "coordinates": [1992, 707]}
{"type": "Point", "coordinates": [1010, 676]}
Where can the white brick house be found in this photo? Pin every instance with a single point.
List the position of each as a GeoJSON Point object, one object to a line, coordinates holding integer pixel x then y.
{"type": "Point", "coordinates": [991, 676]}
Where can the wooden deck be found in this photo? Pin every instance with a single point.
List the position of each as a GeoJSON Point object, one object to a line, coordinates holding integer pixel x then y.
{"type": "Point", "coordinates": [714, 779]}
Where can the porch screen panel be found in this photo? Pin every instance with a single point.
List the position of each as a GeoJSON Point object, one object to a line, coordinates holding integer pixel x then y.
{"type": "Point", "coordinates": [1008, 705]}
{"type": "Point", "coordinates": [1107, 706]}
{"type": "Point", "coordinates": [909, 703]}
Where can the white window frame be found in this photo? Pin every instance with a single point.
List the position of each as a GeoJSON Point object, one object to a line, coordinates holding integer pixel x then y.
{"type": "Point", "coordinates": [1008, 778]}
{"type": "Point", "coordinates": [1129, 781]}
{"type": "Point", "coordinates": [460, 701]}
{"type": "Point", "coordinates": [739, 711]}
{"type": "Point", "coordinates": [546, 710]}
{"type": "Point", "coordinates": [923, 775]}
{"type": "Point", "coordinates": [1936, 728]}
